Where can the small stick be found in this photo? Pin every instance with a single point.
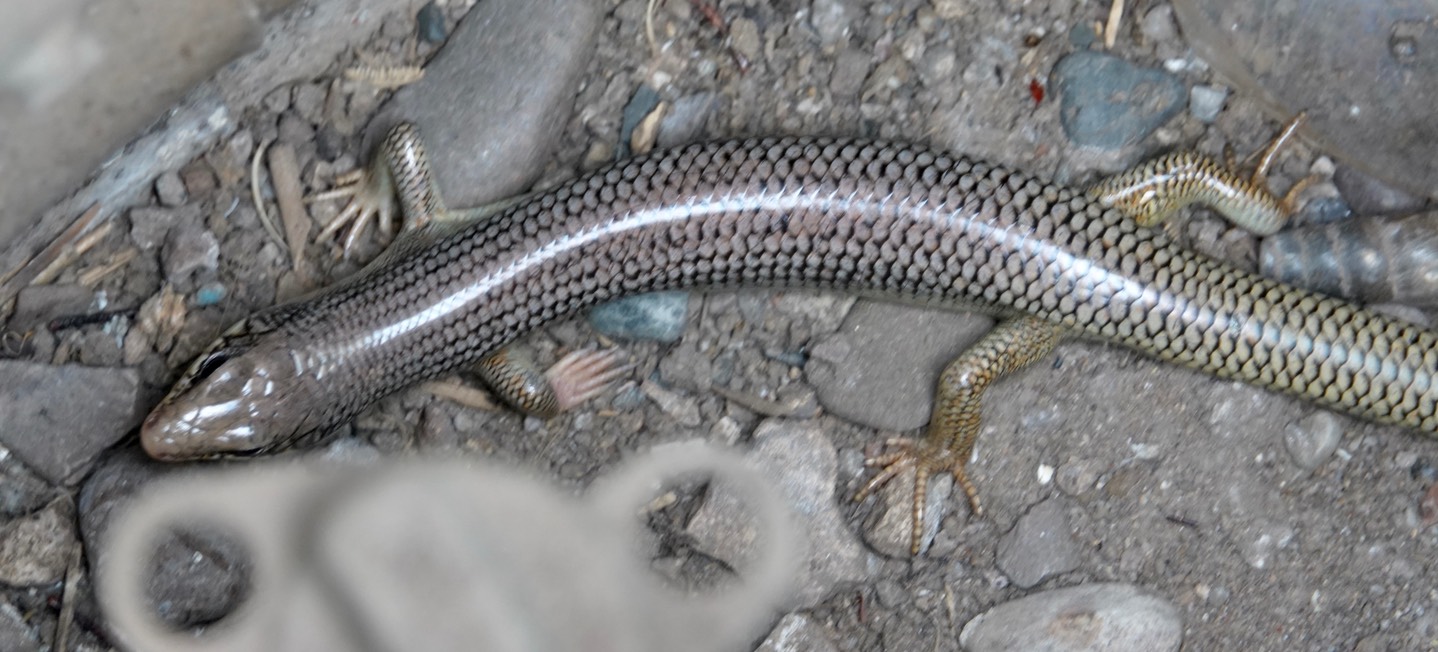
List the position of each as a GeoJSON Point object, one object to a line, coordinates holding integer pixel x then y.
{"type": "Point", "coordinates": [265, 219]}
{"type": "Point", "coordinates": [72, 253]}
{"type": "Point", "coordinates": [1110, 30]}
{"type": "Point", "coordinates": [21, 276]}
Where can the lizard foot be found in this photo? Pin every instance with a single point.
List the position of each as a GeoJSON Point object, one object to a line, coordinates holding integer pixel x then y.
{"type": "Point", "coordinates": [371, 202]}
{"type": "Point", "coordinates": [582, 375]}
{"type": "Point", "coordinates": [926, 459]}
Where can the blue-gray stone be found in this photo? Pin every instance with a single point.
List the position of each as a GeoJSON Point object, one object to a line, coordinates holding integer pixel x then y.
{"type": "Point", "coordinates": [1082, 36]}
{"type": "Point", "coordinates": [1205, 102]}
{"type": "Point", "coordinates": [1110, 103]}
{"type": "Point", "coordinates": [429, 23]}
{"type": "Point", "coordinates": [639, 106]}
{"type": "Point", "coordinates": [658, 316]}
{"type": "Point", "coordinates": [210, 294]}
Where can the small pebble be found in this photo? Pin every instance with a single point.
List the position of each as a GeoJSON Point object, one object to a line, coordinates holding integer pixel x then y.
{"type": "Point", "coordinates": [1312, 439]}
{"type": "Point", "coordinates": [1158, 24]}
{"type": "Point", "coordinates": [170, 189]}
{"type": "Point", "coordinates": [798, 633]}
{"type": "Point", "coordinates": [1205, 102]}
{"type": "Point", "coordinates": [1039, 547]}
{"type": "Point", "coordinates": [832, 20]}
{"type": "Point", "coordinates": [210, 294]}
{"type": "Point", "coordinates": [36, 549]}
{"type": "Point", "coordinates": [429, 23]}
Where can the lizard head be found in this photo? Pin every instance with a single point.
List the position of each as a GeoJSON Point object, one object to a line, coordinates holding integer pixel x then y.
{"type": "Point", "coordinates": [242, 396]}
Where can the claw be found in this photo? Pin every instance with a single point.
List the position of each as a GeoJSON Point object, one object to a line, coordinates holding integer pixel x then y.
{"type": "Point", "coordinates": [582, 375]}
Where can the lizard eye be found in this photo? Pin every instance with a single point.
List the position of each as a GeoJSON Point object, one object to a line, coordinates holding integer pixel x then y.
{"type": "Point", "coordinates": [212, 362]}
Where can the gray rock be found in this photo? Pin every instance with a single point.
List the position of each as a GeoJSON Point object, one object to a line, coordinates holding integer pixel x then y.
{"type": "Point", "coordinates": [1110, 103]}
{"type": "Point", "coordinates": [149, 226]}
{"type": "Point", "coordinates": [744, 35]}
{"type": "Point", "coordinates": [851, 68]}
{"type": "Point", "coordinates": [310, 102]}
{"type": "Point", "coordinates": [798, 633]}
{"type": "Point", "coordinates": [1079, 477]}
{"type": "Point", "coordinates": [494, 101]}
{"type": "Point", "coordinates": [1205, 102]}
{"type": "Point", "coordinates": [1093, 617]}
{"type": "Point", "coordinates": [170, 189]}
{"type": "Point", "coordinates": [1158, 24]}
{"type": "Point", "coordinates": [881, 366]}
{"type": "Point", "coordinates": [831, 20]}
{"type": "Point", "coordinates": [659, 316]}
{"type": "Point", "coordinates": [804, 464]}
{"type": "Point", "coordinates": [15, 634]}
{"type": "Point", "coordinates": [684, 123]}
{"type": "Point", "coordinates": [190, 249]}
{"type": "Point", "coordinates": [1312, 439]}
{"type": "Point", "coordinates": [294, 130]}
{"type": "Point", "coordinates": [199, 576]}
{"type": "Point", "coordinates": [1040, 546]}
{"type": "Point", "coordinates": [1371, 196]}
{"type": "Point", "coordinates": [35, 550]}
{"type": "Point", "coordinates": [21, 491]}
{"type": "Point", "coordinates": [58, 419]}
{"type": "Point", "coordinates": [38, 304]}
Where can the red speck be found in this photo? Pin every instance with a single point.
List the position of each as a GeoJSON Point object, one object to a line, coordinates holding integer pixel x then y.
{"type": "Point", "coordinates": [1036, 91]}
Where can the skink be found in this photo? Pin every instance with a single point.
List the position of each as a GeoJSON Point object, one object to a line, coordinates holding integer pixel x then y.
{"type": "Point", "coordinates": [881, 219]}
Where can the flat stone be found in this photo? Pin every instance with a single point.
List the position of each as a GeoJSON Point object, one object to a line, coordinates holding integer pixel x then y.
{"type": "Point", "coordinates": [881, 367]}
{"type": "Point", "coordinates": [1110, 103]}
{"type": "Point", "coordinates": [198, 577]}
{"type": "Point", "coordinates": [804, 465]}
{"type": "Point", "coordinates": [58, 419]}
{"type": "Point", "coordinates": [1088, 618]}
{"type": "Point", "coordinates": [494, 101]}
{"type": "Point", "coordinates": [851, 68]}
{"type": "Point", "coordinates": [1040, 546]}
{"type": "Point", "coordinates": [35, 550]}
{"type": "Point", "coordinates": [150, 224]}
{"type": "Point", "coordinates": [1205, 102]}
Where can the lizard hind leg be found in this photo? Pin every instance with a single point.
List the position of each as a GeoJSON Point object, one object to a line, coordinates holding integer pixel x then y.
{"type": "Point", "coordinates": [398, 176]}
{"type": "Point", "coordinates": [954, 425]}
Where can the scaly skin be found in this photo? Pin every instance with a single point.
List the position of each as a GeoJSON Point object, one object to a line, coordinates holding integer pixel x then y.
{"type": "Point", "coordinates": [881, 219]}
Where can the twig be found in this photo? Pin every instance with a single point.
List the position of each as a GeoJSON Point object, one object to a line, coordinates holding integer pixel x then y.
{"type": "Point", "coordinates": [385, 77]}
{"type": "Point", "coordinates": [92, 277]}
{"type": "Point", "coordinates": [1110, 30]}
{"type": "Point", "coordinates": [265, 219]}
{"type": "Point", "coordinates": [72, 253]}
{"type": "Point", "coordinates": [649, 28]}
{"type": "Point", "coordinates": [21, 276]}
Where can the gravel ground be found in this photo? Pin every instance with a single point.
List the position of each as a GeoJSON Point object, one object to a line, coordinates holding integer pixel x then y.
{"type": "Point", "coordinates": [1240, 518]}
